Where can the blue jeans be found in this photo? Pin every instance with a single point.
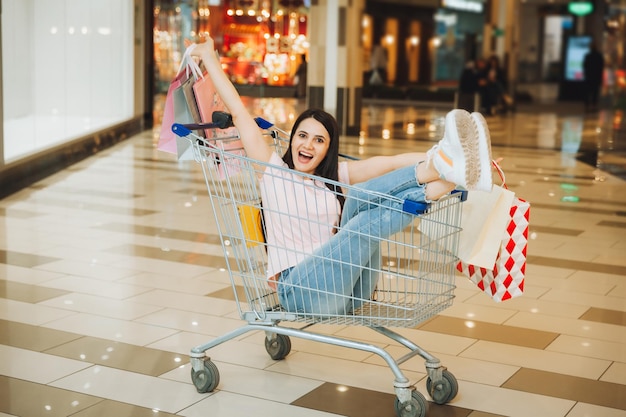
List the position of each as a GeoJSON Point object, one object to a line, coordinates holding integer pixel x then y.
{"type": "Point", "coordinates": [343, 272]}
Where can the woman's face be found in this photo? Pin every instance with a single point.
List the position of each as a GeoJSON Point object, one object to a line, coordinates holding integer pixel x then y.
{"type": "Point", "coordinates": [309, 145]}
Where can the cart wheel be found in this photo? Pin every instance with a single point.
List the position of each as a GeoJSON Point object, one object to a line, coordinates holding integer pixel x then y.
{"type": "Point", "coordinates": [278, 347]}
{"type": "Point", "coordinates": [207, 379]}
{"type": "Point", "coordinates": [417, 406]}
{"type": "Point", "coordinates": [445, 390]}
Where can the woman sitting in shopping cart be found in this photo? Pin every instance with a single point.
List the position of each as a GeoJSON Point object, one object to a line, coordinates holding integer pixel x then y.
{"type": "Point", "coordinates": [325, 270]}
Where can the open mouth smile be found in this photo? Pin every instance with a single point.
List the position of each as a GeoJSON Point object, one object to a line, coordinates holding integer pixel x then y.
{"type": "Point", "coordinates": [304, 157]}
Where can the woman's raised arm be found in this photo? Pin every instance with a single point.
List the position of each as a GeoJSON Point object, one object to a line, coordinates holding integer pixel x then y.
{"type": "Point", "coordinates": [251, 136]}
{"type": "Point", "coordinates": [365, 169]}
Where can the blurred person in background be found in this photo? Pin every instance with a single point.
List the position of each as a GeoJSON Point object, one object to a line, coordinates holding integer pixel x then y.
{"type": "Point", "coordinates": [468, 87]}
{"type": "Point", "coordinates": [593, 70]}
{"type": "Point", "coordinates": [378, 62]}
{"type": "Point", "coordinates": [300, 77]}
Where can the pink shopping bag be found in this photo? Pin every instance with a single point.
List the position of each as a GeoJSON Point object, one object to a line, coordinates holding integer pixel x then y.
{"type": "Point", "coordinates": [167, 138]}
{"type": "Point", "coordinates": [227, 140]}
{"type": "Point", "coordinates": [179, 107]}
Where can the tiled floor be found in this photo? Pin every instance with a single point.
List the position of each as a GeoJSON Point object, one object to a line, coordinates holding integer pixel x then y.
{"type": "Point", "coordinates": [111, 271]}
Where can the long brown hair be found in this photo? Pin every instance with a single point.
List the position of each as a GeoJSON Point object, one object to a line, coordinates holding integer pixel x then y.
{"type": "Point", "coordinates": [329, 166]}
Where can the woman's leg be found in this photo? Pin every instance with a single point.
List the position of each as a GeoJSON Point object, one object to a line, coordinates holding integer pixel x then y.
{"type": "Point", "coordinates": [325, 282]}
{"type": "Point", "coordinates": [345, 267]}
{"type": "Point", "coordinates": [370, 193]}
{"type": "Point", "coordinates": [363, 195]}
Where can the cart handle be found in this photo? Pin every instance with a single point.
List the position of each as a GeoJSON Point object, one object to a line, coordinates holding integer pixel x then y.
{"type": "Point", "coordinates": [417, 208]}
{"type": "Point", "coordinates": [221, 120]}
{"type": "Point", "coordinates": [181, 130]}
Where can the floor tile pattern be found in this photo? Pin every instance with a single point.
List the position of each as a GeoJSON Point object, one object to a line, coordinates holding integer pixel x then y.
{"type": "Point", "coordinates": [112, 270]}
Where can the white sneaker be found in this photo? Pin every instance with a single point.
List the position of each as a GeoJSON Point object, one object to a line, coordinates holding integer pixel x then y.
{"type": "Point", "coordinates": [485, 181]}
{"type": "Point", "coordinates": [456, 155]}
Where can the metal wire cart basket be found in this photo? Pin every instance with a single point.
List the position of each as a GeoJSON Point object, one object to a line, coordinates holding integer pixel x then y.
{"type": "Point", "coordinates": [414, 269]}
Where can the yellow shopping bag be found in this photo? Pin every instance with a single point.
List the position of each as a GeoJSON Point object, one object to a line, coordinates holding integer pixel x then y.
{"type": "Point", "coordinates": [252, 223]}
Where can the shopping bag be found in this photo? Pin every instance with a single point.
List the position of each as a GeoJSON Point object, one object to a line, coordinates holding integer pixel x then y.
{"type": "Point", "coordinates": [484, 217]}
{"type": "Point", "coordinates": [192, 104]}
{"type": "Point", "coordinates": [182, 112]}
{"type": "Point", "coordinates": [184, 149]}
{"type": "Point", "coordinates": [226, 140]}
{"type": "Point", "coordinates": [251, 220]}
{"type": "Point", "coordinates": [167, 138]}
{"type": "Point", "coordinates": [505, 279]}
{"type": "Point", "coordinates": [176, 108]}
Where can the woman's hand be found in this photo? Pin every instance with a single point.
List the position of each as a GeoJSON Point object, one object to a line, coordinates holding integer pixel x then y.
{"type": "Point", "coordinates": [206, 46]}
{"type": "Point", "coordinates": [254, 142]}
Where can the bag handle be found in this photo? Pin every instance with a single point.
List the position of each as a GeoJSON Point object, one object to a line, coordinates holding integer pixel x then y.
{"type": "Point", "coordinates": [500, 174]}
{"type": "Point", "coordinates": [190, 65]}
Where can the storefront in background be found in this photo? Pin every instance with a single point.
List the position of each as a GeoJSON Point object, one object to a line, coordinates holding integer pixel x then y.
{"type": "Point", "coordinates": [425, 44]}
{"type": "Point", "coordinates": [261, 42]}
{"type": "Point", "coordinates": [458, 38]}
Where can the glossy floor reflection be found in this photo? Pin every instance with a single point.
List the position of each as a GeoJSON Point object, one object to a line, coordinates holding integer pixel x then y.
{"type": "Point", "coordinates": [112, 270]}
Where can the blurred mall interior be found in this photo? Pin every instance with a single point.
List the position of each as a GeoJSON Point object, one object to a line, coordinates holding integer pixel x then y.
{"type": "Point", "coordinates": [111, 263]}
{"type": "Point", "coordinates": [77, 77]}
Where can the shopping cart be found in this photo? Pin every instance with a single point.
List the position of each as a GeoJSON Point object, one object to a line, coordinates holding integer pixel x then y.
{"type": "Point", "coordinates": [415, 269]}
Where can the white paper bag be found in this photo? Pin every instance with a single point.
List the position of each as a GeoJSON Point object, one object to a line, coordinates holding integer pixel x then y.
{"type": "Point", "coordinates": [184, 149]}
{"type": "Point", "coordinates": [485, 216]}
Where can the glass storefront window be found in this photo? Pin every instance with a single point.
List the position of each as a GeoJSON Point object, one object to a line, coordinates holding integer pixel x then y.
{"type": "Point", "coordinates": [260, 42]}
{"type": "Point", "coordinates": [67, 68]}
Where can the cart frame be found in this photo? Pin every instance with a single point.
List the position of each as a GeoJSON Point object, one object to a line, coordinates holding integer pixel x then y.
{"type": "Point", "coordinates": [405, 296]}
